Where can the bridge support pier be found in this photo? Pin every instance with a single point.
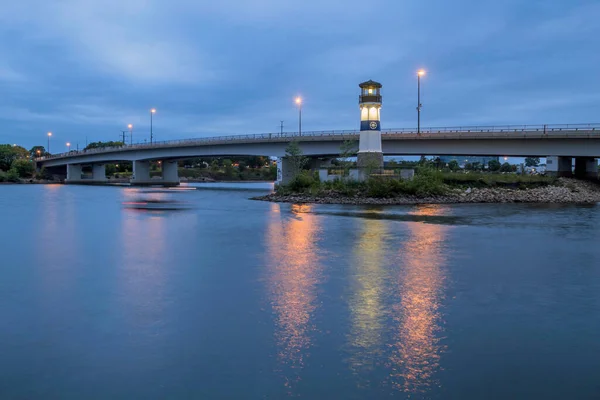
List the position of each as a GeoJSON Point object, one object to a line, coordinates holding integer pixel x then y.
{"type": "Point", "coordinates": [73, 173]}
{"type": "Point", "coordinates": [170, 174]}
{"type": "Point", "coordinates": [559, 166]}
{"type": "Point", "coordinates": [284, 171]}
{"type": "Point", "coordinates": [586, 167]}
{"type": "Point", "coordinates": [99, 173]}
{"type": "Point", "coordinates": [141, 174]}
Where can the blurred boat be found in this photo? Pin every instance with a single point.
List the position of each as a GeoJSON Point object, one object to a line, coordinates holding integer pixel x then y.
{"type": "Point", "coordinates": [152, 204]}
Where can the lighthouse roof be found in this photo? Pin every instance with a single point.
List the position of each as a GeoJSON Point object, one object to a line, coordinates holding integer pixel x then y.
{"type": "Point", "coordinates": [370, 84]}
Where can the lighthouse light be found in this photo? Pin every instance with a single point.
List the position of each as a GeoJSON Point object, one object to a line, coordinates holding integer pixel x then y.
{"type": "Point", "coordinates": [364, 114]}
{"type": "Point", "coordinates": [373, 114]}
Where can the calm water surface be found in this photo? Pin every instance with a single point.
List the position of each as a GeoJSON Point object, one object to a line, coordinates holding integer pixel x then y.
{"type": "Point", "coordinates": [238, 299]}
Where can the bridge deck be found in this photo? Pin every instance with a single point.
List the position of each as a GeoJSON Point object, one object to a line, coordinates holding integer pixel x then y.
{"type": "Point", "coordinates": [516, 132]}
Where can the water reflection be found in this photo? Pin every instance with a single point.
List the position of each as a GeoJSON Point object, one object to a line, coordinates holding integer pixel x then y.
{"type": "Point", "coordinates": [58, 239]}
{"type": "Point", "coordinates": [416, 344]}
{"type": "Point", "coordinates": [142, 269]}
{"type": "Point", "coordinates": [294, 273]}
{"type": "Point", "coordinates": [367, 301]}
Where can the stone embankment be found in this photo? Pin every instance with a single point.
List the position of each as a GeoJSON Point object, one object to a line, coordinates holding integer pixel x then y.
{"type": "Point", "coordinates": [566, 191]}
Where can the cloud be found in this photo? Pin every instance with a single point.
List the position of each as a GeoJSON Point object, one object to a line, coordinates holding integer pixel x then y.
{"type": "Point", "coordinates": [9, 75]}
{"type": "Point", "coordinates": [90, 67]}
{"type": "Point", "coordinates": [121, 39]}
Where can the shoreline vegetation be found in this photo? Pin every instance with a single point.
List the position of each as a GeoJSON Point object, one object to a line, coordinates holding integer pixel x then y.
{"type": "Point", "coordinates": [434, 182]}
{"type": "Point", "coordinates": [435, 187]}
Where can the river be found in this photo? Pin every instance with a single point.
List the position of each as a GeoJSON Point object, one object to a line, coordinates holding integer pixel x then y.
{"type": "Point", "coordinates": [241, 299]}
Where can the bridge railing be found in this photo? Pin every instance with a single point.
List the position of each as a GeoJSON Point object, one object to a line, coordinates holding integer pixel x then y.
{"type": "Point", "coordinates": [428, 131]}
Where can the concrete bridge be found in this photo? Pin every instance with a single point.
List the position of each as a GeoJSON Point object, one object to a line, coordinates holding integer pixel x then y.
{"type": "Point", "coordinates": [559, 143]}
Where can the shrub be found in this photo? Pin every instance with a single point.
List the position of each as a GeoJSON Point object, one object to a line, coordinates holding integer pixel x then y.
{"type": "Point", "coordinates": [44, 174]}
{"type": "Point", "coordinates": [379, 187]}
{"type": "Point", "coordinates": [426, 182]}
{"type": "Point", "coordinates": [301, 181]}
{"type": "Point", "coordinates": [23, 168]}
{"type": "Point", "coordinates": [12, 175]}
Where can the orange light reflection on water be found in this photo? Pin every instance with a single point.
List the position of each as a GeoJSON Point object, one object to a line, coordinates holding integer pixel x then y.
{"type": "Point", "coordinates": [367, 308]}
{"type": "Point", "coordinates": [293, 275]}
{"type": "Point", "coordinates": [416, 346]}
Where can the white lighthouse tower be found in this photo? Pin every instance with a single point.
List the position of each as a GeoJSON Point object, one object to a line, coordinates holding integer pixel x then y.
{"type": "Point", "coordinates": [370, 154]}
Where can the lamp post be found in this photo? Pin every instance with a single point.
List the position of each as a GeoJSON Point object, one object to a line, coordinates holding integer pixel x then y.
{"type": "Point", "coordinates": [151, 114]}
{"type": "Point", "coordinates": [420, 73]}
{"type": "Point", "coordinates": [68, 147]}
{"type": "Point", "coordinates": [130, 126]}
{"type": "Point", "coordinates": [49, 134]}
{"type": "Point", "coordinates": [299, 104]}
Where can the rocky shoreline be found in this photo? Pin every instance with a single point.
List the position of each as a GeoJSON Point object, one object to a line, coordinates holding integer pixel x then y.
{"type": "Point", "coordinates": [566, 191]}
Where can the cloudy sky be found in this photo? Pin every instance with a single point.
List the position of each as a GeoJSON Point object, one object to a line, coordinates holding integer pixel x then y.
{"type": "Point", "coordinates": [87, 68]}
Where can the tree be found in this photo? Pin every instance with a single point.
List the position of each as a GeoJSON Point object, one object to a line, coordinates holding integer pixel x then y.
{"type": "Point", "coordinates": [532, 161]}
{"type": "Point", "coordinates": [100, 145]}
{"type": "Point", "coordinates": [110, 169]}
{"type": "Point", "coordinates": [295, 158]}
{"type": "Point", "coordinates": [228, 168]}
{"type": "Point", "coordinates": [348, 149]}
{"type": "Point", "coordinates": [37, 151]}
{"type": "Point", "coordinates": [9, 153]}
{"type": "Point", "coordinates": [494, 165]}
{"type": "Point", "coordinates": [24, 168]}
{"type": "Point", "coordinates": [270, 173]}
{"type": "Point", "coordinates": [453, 165]}
{"type": "Point", "coordinates": [506, 167]}
{"type": "Point", "coordinates": [214, 166]}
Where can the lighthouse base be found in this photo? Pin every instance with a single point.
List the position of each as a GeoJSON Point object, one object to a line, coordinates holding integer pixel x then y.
{"type": "Point", "coordinates": [370, 160]}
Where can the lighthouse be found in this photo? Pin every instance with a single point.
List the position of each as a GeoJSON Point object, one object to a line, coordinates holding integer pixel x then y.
{"type": "Point", "coordinates": [370, 154]}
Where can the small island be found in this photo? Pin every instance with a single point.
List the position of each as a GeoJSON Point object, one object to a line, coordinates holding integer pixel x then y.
{"type": "Point", "coordinates": [431, 187]}
{"type": "Point", "coordinates": [430, 182]}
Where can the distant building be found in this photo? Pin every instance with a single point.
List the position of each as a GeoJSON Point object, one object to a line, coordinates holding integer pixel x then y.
{"type": "Point", "coordinates": [462, 160]}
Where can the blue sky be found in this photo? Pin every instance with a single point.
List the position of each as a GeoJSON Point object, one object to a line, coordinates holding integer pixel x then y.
{"type": "Point", "coordinates": [88, 68]}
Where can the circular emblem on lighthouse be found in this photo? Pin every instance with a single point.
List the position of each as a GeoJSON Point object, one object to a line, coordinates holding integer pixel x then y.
{"type": "Point", "coordinates": [373, 125]}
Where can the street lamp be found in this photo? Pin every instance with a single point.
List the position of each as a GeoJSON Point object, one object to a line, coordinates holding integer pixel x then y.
{"type": "Point", "coordinates": [49, 134]}
{"type": "Point", "coordinates": [68, 147]}
{"type": "Point", "coordinates": [130, 126]}
{"type": "Point", "coordinates": [420, 73]}
{"type": "Point", "coordinates": [299, 104]}
{"type": "Point", "coordinates": [151, 114]}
